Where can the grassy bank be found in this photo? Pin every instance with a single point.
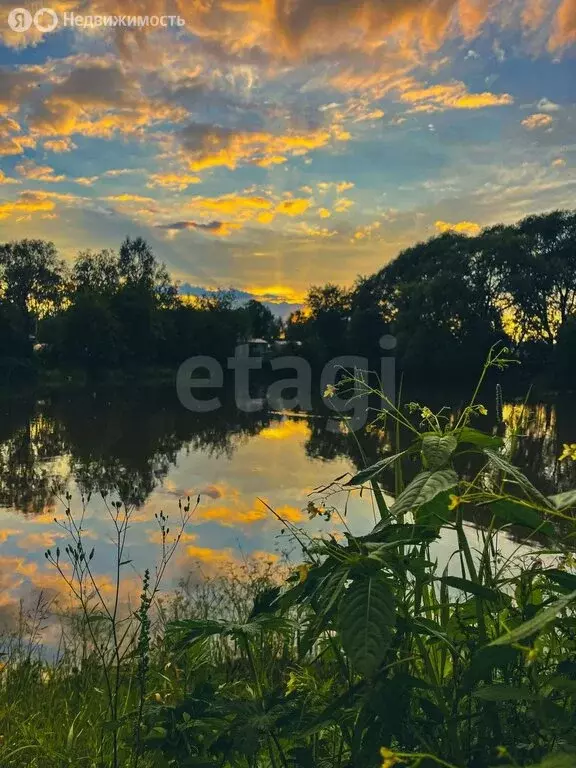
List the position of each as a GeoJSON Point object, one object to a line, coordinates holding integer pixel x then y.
{"type": "Point", "coordinates": [367, 654]}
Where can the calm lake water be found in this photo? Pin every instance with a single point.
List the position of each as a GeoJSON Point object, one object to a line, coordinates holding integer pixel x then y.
{"type": "Point", "coordinates": [142, 445]}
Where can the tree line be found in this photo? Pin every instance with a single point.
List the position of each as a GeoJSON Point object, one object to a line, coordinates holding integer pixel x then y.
{"type": "Point", "coordinates": [447, 300]}
{"type": "Point", "coordinates": [113, 310]}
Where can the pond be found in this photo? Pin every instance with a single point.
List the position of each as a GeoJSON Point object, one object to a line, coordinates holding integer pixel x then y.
{"type": "Point", "coordinates": [142, 445]}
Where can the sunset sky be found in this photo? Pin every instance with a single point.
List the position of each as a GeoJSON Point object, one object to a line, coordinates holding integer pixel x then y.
{"type": "Point", "coordinates": [271, 144]}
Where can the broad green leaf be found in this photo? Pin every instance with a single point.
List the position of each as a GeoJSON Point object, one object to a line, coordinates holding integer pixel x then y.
{"type": "Point", "coordinates": [400, 533]}
{"type": "Point", "coordinates": [437, 450]}
{"type": "Point", "coordinates": [516, 512]}
{"type": "Point", "coordinates": [374, 470]}
{"type": "Point", "coordinates": [499, 692]}
{"type": "Point", "coordinates": [479, 590]}
{"type": "Point", "coordinates": [564, 500]}
{"type": "Point", "coordinates": [564, 579]}
{"type": "Point", "coordinates": [436, 512]}
{"type": "Point", "coordinates": [487, 659]}
{"type": "Point", "coordinates": [480, 439]}
{"type": "Point", "coordinates": [423, 488]}
{"type": "Point", "coordinates": [519, 477]}
{"type": "Point", "coordinates": [537, 623]}
{"type": "Point", "coordinates": [366, 618]}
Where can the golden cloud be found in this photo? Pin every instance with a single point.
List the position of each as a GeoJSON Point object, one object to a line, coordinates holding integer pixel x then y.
{"type": "Point", "coordinates": [210, 146]}
{"type": "Point", "coordinates": [27, 202]}
{"type": "Point", "coordinates": [293, 207]}
{"type": "Point", "coordinates": [537, 120]}
{"type": "Point", "coordinates": [98, 98]}
{"type": "Point", "coordinates": [7, 179]}
{"type": "Point", "coordinates": [461, 227]}
{"type": "Point", "coordinates": [60, 145]}
{"type": "Point", "coordinates": [434, 98]}
{"type": "Point", "coordinates": [30, 170]}
{"type": "Point", "coordinates": [172, 181]}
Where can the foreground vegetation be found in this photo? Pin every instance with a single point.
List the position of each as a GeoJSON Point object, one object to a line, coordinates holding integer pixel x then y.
{"type": "Point", "coordinates": [379, 650]}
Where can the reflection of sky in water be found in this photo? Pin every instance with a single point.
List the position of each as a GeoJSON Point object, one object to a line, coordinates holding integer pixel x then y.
{"type": "Point", "coordinates": [278, 459]}
{"type": "Point", "coordinates": [229, 524]}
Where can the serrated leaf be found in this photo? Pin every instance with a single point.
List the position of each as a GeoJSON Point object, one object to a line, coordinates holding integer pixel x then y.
{"type": "Point", "coordinates": [366, 618]}
{"type": "Point", "coordinates": [423, 488]}
{"type": "Point", "coordinates": [437, 450]}
{"type": "Point", "coordinates": [478, 438]}
{"type": "Point", "coordinates": [537, 623]}
{"type": "Point", "coordinates": [519, 477]}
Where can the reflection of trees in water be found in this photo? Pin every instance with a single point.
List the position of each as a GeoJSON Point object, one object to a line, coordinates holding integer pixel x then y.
{"type": "Point", "coordinates": [542, 429]}
{"type": "Point", "coordinates": [125, 442]}
{"type": "Point", "coordinates": [122, 443]}
{"type": "Point", "coordinates": [29, 440]}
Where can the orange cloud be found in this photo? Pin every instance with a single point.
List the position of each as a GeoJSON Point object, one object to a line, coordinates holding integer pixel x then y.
{"type": "Point", "coordinates": [126, 197]}
{"type": "Point", "coordinates": [27, 202]}
{"type": "Point", "coordinates": [209, 146]}
{"type": "Point", "coordinates": [461, 227]}
{"type": "Point", "coordinates": [240, 207]}
{"type": "Point", "coordinates": [434, 98]}
{"type": "Point", "coordinates": [60, 145]}
{"type": "Point", "coordinates": [293, 207]}
{"type": "Point", "coordinates": [98, 99]}
{"type": "Point", "coordinates": [564, 27]}
{"type": "Point", "coordinates": [7, 179]}
{"type": "Point", "coordinates": [172, 181]}
{"type": "Point", "coordinates": [537, 120]}
{"type": "Point", "coordinates": [30, 170]}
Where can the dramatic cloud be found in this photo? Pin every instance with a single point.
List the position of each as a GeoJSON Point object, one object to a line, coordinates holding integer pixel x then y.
{"type": "Point", "coordinates": [211, 146]}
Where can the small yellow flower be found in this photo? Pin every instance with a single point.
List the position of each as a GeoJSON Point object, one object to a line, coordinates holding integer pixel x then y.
{"type": "Point", "coordinates": [330, 390]}
{"type": "Point", "coordinates": [568, 452]}
{"type": "Point", "coordinates": [502, 751]}
{"type": "Point", "coordinates": [532, 655]}
{"type": "Point", "coordinates": [389, 758]}
{"type": "Point", "coordinates": [482, 410]}
{"type": "Point", "coordinates": [426, 413]}
{"type": "Point", "coordinates": [455, 501]}
{"type": "Point", "coordinates": [303, 571]}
